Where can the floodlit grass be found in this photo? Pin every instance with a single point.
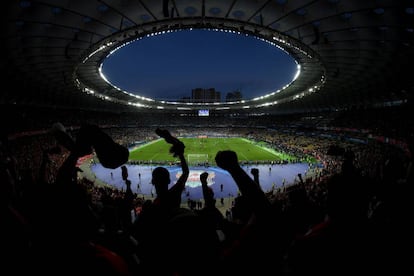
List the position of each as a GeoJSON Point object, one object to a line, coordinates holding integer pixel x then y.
{"type": "Point", "coordinates": [246, 150]}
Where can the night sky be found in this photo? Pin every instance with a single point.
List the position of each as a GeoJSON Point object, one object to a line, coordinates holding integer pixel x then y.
{"type": "Point", "coordinates": [169, 66]}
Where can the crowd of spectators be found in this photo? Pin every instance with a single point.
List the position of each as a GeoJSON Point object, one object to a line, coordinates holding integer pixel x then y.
{"type": "Point", "coordinates": [352, 216]}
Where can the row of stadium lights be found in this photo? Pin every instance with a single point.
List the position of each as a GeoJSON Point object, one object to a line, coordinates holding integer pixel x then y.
{"type": "Point", "coordinates": [137, 104]}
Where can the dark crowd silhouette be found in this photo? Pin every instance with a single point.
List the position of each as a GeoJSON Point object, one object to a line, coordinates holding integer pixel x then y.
{"type": "Point", "coordinates": [347, 221]}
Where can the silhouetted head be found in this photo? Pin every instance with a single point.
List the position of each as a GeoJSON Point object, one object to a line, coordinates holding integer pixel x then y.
{"type": "Point", "coordinates": [160, 179]}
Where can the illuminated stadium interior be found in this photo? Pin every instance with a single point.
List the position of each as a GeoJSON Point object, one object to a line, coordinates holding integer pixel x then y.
{"type": "Point", "coordinates": [303, 55]}
{"type": "Point", "coordinates": [333, 198]}
{"type": "Point", "coordinates": [55, 50]}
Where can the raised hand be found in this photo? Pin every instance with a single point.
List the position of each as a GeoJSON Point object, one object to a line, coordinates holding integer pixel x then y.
{"type": "Point", "coordinates": [203, 177]}
{"type": "Point", "coordinates": [254, 171]}
{"type": "Point", "coordinates": [227, 159]}
{"type": "Point", "coordinates": [177, 146]}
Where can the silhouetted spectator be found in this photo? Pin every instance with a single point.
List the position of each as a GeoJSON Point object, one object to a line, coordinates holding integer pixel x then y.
{"type": "Point", "coordinates": [340, 244]}
{"type": "Point", "coordinates": [213, 217]}
{"type": "Point", "coordinates": [256, 241]}
{"type": "Point", "coordinates": [64, 223]}
{"type": "Point", "coordinates": [170, 238]}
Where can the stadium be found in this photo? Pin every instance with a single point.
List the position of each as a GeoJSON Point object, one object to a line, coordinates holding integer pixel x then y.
{"type": "Point", "coordinates": [333, 147]}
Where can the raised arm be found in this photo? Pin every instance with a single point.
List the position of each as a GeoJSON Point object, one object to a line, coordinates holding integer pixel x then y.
{"type": "Point", "coordinates": [208, 193]}
{"type": "Point", "coordinates": [255, 173]}
{"type": "Point", "coordinates": [228, 161]}
{"type": "Point", "coordinates": [185, 170]}
{"type": "Point", "coordinates": [177, 149]}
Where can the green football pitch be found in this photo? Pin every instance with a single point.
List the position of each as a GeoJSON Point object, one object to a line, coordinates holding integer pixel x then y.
{"type": "Point", "coordinates": [202, 148]}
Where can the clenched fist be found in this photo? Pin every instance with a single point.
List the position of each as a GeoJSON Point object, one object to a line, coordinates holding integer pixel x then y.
{"type": "Point", "coordinates": [227, 159]}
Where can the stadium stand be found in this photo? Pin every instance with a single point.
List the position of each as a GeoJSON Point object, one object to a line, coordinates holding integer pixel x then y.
{"type": "Point", "coordinates": [351, 110]}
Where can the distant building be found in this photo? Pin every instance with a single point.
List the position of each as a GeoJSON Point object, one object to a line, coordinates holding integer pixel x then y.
{"type": "Point", "coordinates": [205, 95]}
{"type": "Point", "coordinates": [234, 96]}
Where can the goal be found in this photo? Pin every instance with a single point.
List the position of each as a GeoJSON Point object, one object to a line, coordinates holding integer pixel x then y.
{"type": "Point", "coordinates": [197, 159]}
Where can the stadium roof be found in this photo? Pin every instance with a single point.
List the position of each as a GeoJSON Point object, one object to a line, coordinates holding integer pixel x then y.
{"type": "Point", "coordinates": [351, 52]}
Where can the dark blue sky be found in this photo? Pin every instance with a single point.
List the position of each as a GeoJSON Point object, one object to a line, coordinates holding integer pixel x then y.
{"type": "Point", "coordinates": [169, 66]}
